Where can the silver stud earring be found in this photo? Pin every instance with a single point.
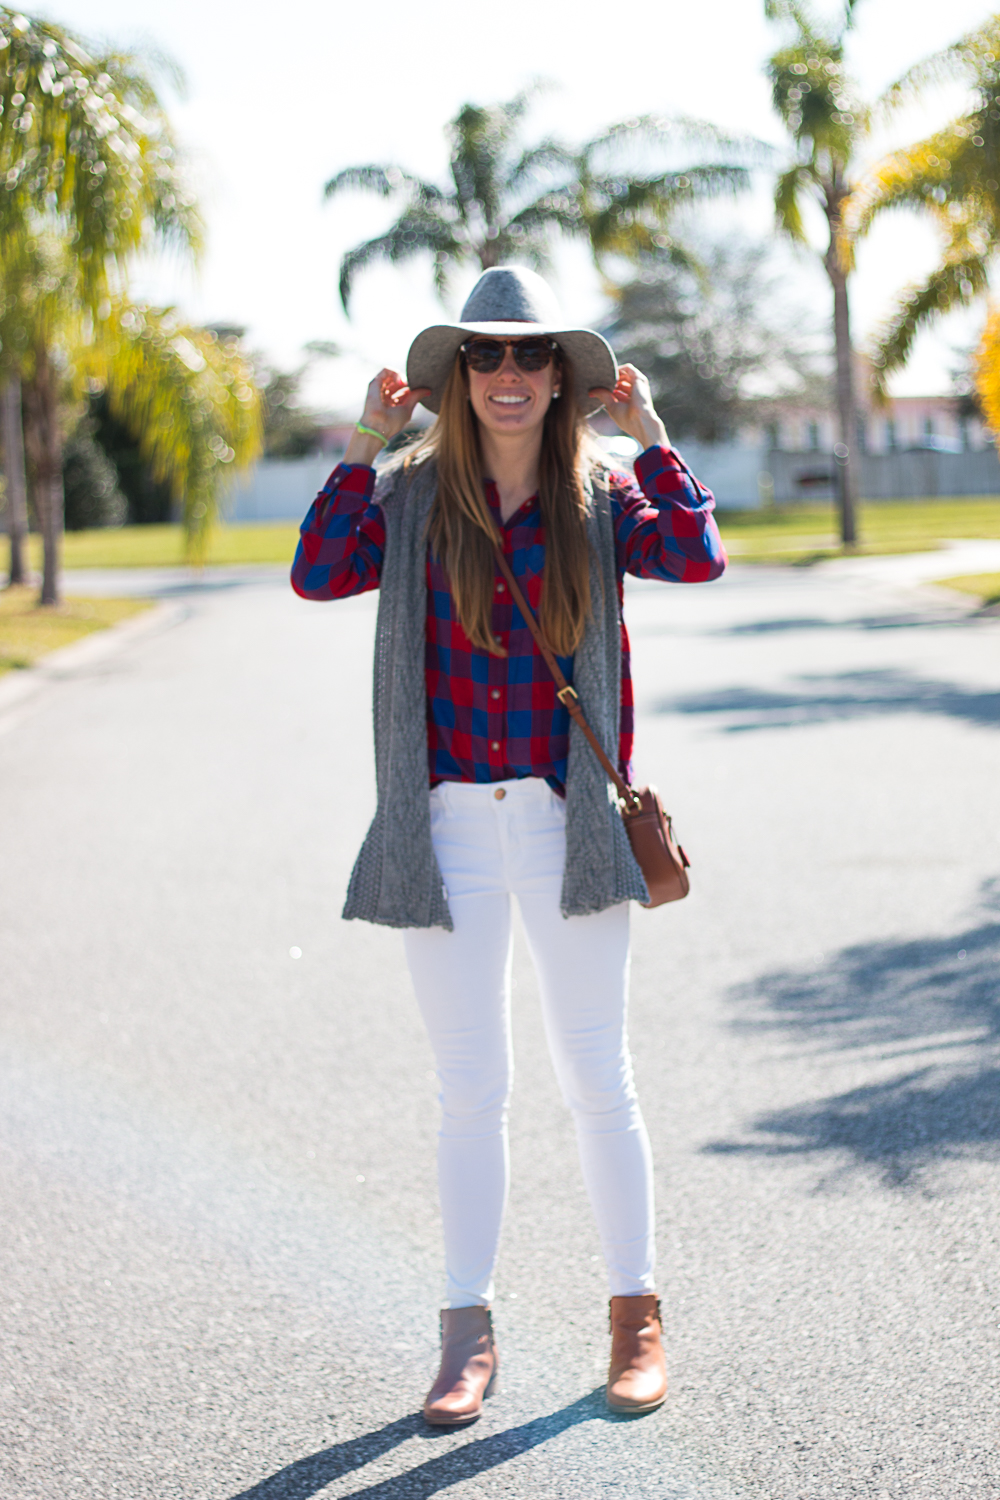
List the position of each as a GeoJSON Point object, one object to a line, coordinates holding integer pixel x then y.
{"type": "Point", "coordinates": [556, 395]}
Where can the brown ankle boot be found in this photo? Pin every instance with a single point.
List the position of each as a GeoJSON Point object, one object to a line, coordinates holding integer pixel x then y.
{"type": "Point", "coordinates": [637, 1378]}
{"type": "Point", "coordinates": [468, 1370]}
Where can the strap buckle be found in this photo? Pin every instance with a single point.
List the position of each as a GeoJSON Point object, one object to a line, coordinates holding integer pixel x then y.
{"type": "Point", "coordinates": [567, 692]}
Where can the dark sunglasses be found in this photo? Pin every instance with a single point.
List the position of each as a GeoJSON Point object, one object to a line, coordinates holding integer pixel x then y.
{"type": "Point", "coordinates": [486, 355]}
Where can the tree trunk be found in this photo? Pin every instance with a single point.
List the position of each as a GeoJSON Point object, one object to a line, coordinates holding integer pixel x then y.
{"type": "Point", "coordinates": [44, 442]}
{"type": "Point", "coordinates": [846, 409]}
{"type": "Point", "coordinates": [13, 455]}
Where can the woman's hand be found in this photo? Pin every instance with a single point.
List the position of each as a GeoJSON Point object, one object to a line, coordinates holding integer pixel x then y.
{"type": "Point", "coordinates": [630, 404]}
{"type": "Point", "coordinates": [388, 408]}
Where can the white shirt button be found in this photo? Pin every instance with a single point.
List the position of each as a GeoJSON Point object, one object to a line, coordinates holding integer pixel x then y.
{"type": "Point", "coordinates": [495, 745]}
{"type": "Point", "coordinates": [499, 588]}
{"type": "Point", "coordinates": [495, 693]}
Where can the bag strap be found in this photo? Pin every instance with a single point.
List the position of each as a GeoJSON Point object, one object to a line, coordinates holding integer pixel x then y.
{"type": "Point", "coordinates": [565, 692]}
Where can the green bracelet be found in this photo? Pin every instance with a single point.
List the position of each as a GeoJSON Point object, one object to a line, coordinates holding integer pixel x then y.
{"type": "Point", "coordinates": [372, 433]}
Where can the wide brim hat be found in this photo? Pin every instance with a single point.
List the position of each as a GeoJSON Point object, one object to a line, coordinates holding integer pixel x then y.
{"type": "Point", "coordinates": [511, 302]}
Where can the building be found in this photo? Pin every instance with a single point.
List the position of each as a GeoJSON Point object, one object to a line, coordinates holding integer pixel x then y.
{"type": "Point", "coordinates": [942, 423]}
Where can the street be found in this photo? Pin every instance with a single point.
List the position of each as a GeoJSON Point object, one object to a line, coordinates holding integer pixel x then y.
{"type": "Point", "coordinates": [219, 1244]}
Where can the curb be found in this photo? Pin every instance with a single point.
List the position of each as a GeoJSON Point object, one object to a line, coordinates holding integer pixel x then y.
{"type": "Point", "coordinates": [20, 687]}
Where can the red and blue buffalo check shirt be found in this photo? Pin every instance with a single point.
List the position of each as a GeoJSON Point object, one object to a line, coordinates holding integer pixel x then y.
{"type": "Point", "coordinates": [493, 718]}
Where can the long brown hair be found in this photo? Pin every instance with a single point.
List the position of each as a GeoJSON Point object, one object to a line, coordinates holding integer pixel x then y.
{"type": "Point", "coordinates": [461, 530]}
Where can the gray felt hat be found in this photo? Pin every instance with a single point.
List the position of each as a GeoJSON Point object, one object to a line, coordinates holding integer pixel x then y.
{"type": "Point", "coordinates": [510, 302]}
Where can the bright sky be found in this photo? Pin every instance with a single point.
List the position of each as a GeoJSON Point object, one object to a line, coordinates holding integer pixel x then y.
{"type": "Point", "coordinates": [280, 97]}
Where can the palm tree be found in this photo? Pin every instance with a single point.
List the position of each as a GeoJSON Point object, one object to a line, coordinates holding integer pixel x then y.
{"type": "Point", "coordinates": [42, 317]}
{"type": "Point", "coordinates": [506, 198]}
{"type": "Point", "coordinates": [190, 398]}
{"type": "Point", "coordinates": [818, 104]}
{"type": "Point", "coordinates": [952, 175]}
{"type": "Point", "coordinates": [187, 395]}
{"type": "Point", "coordinates": [11, 423]}
{"type": "Point", "coordinates": [86, 155]}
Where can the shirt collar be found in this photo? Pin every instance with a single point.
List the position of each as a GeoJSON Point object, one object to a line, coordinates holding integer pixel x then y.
{"type": "Point", "coordinates": [493, 501]}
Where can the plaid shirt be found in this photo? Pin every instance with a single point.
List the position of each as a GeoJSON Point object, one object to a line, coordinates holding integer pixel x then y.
{"type": "Point", "coordinates": [493, 718]}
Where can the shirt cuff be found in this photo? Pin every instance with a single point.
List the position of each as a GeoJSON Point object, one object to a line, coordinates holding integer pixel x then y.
{"type": "Point", "coordinates": [350, 487]}
{"type": "Point", "coordinates": [658, 460]}
{"type": "Point", "coordinates": [656, 457]}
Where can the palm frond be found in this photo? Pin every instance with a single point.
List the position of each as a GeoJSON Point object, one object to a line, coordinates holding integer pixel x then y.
{"type": "Point", "coordinates": [788, 203]}
{"type": "Point", "coordinates": [944, 168]}
{"type": "Point", "coordinates": [942, 67]}
{"type": "Point", "coordinates": [86, 148]}
{"type": "Point", "coordinates": [559, 209]}
{"type": "Point", "coordinates": [482, 137]}
{"type": "Point", "coordinates": [672, 131]}
{"type": "Point", "coordinates": [134, 73]}
{"type": "Point", "coordinates": [712, 180]}
{"type": "Point", "coordinates": [548, 156]}
{"type": "Point", "coordinates": [655, 199]}
{"type": "Point", "coordinates": [794, 11]}
{"type": "Point", "coordinates": [956, 282]}
{"type": "Point", "coordinates": [816, 100]}
{"type": "Point", "coordinates": [595, 189]}
{"type": "Point", "coordinates": [383, 179]}
{"type": "Point", "coordinates": [511, 113]}
{"type": "Point", "coordinates": [414, 231]}
{"type": "Point", "coordinates": [41, 307]}
{"type": "Point", "coordinates": [190, 400]}
{"type": "Point", "coordinates": [531, 247]}
{"type": "Point", "coordinates": [964, 60]}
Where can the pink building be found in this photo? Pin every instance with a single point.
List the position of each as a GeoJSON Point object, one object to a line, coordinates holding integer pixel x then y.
{"type": "Point", "coordinates": [937, 422]}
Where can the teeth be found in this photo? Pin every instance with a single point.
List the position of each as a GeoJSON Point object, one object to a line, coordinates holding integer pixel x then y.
{"type": "Point", "coordinates": [510, 400]}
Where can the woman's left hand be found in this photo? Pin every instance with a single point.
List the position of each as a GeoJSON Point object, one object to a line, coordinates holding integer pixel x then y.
{"type": "Point", "coordinates": [630, 404]}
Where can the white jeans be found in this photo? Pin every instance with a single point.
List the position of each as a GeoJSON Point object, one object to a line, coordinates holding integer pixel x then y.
{"type": "Point", "coordinates": [493, 841]}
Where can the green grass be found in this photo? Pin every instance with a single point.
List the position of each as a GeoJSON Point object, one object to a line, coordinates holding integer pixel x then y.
{"type": "Point", "coordinates": [983, 586]}
{"type": "Point", "coordinates": [804, 534]}
{"type": "Point", "coordinates": [28, 632]}
{"type": "Point", "coordinates": [163, 546]}
{"type": "Point", "coordinates": [799, 534]}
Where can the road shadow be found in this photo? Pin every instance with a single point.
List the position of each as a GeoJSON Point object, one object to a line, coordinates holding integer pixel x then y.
{"type": "Point", "coordinates": [793, 625]}
{"type": "Point", "coordinates": [821, 699]}
{"type": "Point", "coordinates": [307, 1476]}
{"type": "Point", "coordinates": [933, 1005]}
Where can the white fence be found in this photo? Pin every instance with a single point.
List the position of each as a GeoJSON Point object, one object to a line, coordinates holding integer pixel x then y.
{"type": "Point", "coordinates": [279, 489]}
{"type": "Point", "coordinates": [738, 475]}
{"type": "Point", "coordinates": [283, 489]}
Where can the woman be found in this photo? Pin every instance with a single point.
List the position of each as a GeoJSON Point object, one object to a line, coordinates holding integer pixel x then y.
{"type": "Point", "coordinates": [484, 788]}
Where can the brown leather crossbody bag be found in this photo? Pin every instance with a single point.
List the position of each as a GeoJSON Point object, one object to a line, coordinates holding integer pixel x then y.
{"type": "Point", "coordinates": [650, 830]}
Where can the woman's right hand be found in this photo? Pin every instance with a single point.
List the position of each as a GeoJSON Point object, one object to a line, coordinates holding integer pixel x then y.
{"type": "Point", "coordinates": [388, 408]}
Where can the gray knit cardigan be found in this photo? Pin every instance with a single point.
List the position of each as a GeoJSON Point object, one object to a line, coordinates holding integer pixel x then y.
{"type": "Point", "coordinates": [396, 880]}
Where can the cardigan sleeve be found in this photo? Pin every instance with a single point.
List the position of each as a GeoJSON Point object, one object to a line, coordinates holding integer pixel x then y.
{"type": "Point", "coordinates": [342, 539]}
{"type": "Point", "coordinates": [664, 526]}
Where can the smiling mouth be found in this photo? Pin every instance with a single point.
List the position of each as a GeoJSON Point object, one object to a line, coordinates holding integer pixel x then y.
{"type": "Point", "coordinates": [511, 400]}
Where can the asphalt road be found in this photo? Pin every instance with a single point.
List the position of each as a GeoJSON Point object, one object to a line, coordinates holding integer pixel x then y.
{"type": "Point", "coordinates": [219, 1252]}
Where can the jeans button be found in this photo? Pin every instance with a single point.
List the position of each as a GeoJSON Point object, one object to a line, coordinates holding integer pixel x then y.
{"type": "Point", "coordinates": [499, 794]}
